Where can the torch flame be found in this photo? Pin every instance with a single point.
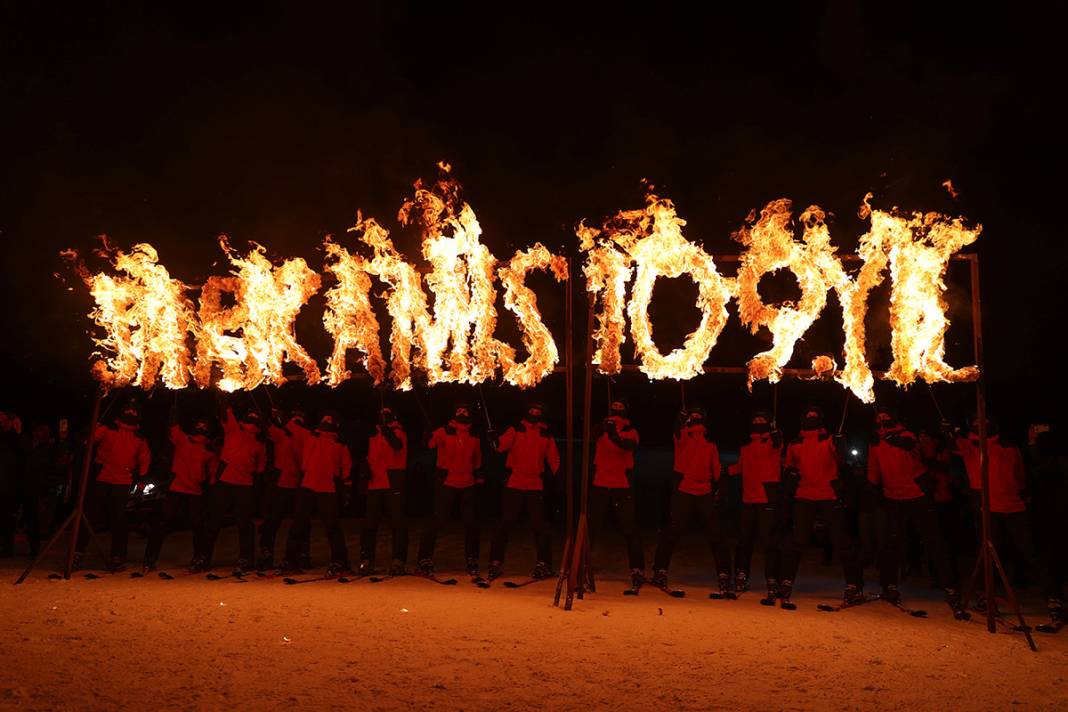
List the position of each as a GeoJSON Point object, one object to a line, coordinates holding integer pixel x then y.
{"type": "Point", "coordinates": [349, 317]}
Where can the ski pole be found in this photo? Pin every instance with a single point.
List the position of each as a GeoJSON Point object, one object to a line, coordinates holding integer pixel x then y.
{"type": "Point", "coordinates": [485, 410]}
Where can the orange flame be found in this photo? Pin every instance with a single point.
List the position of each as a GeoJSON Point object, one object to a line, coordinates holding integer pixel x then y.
{"type": "Point", "coordinates": [146, 317]}
{"type": "Point", "coordinates": [521, 300]}
{"type": "Point", "coordinates": [349, 317]}
{"type": "Point", "coordinates": [267, 301]}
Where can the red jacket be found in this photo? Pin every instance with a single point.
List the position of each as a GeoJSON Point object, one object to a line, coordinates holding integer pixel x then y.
{"type": "Point", "coordinates": [896, 468]}
{"type": "Point", "coordinates": [325, 460]}
{"type": "Point", "coordinates": [382, 457]}
{"type": "Point", "coordinates": [459, 454]}
{"type": "Point", "coordinates": [243, 453]}
{"type": "Point", "coordinates": [121, 453]}
{"type": "Point", "coordinates": [1006, 468]}
{"type": "Point", "coordinates": [696, 459]}
{"type": "Point", "coordinates": [937, 460]}
{"type": "Point", "coordinates": [817, 461]}
{"type": "Point", "coordinates": [286, 457]}
{"type": "Point", "coordinates": [529, 450]}
{"type": "Point", "coordinates": [611, 462]}
{"type": "Point", "coordinates": [193, 464]}
{"type": "Point", "coordinates": [760, 462]}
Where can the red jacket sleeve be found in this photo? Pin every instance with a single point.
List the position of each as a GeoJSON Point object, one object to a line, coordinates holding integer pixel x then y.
{"type": "Point", "coordinates": [476, 455]}
{"type": "Point", "coordinates": [552, 456]}
{"type": "Point", "coordinates": [507, 440]}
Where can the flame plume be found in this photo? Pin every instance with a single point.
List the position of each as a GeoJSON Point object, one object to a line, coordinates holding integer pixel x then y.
{"type": "Point", "coordinates": [459, 344]}
{"type": "Point", "coordinates": [771, 247]}
{"type": "Point", "coordinates": [267, 301]}
{"type": "Point", "coordinates": [920, 246]}
{"type": "Point", "coordinates": [349, 317]}
{"type": "Point", "coordinates": [146, 317]}
{"type": "Point", "coordinates": [521, 300]}
{"type": "Point", "coordinates": [607, 272]}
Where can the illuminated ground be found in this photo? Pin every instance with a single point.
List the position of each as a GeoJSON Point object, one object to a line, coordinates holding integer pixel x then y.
{"type": "Point", "coordinates": [406, 643]}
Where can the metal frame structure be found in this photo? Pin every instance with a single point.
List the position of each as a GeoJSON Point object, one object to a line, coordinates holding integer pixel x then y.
{"type": "Point", "coordinates": [578, 575]}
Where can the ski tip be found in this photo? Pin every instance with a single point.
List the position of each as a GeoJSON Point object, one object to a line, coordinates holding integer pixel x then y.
{"type": "Point", "coordinates": [767, 601]}
{"type": "Point", "coordinates": [788, 606]}
{"type": "Point", "coordinates": [165, 576]}
{"type": "Point", "coordinates": [716, 596]}
{"type": "Point", "coordinates": [452, 582]}
{"type": "Point", "coordinates": [826, 608]}
{"type": "Point", "coordinates": [918, 614]}
{"type": "Point", "coordinates": [677, 594]}
{"type": "Point", "coordinates": [289, 581]}
{"type": "Point", "coordinates": [511, 584]}
{"type": "Point", "coordinates": [54, 577]}
{"type": "Point", "coordinates": [377, 579]}
{"type": "Point", "coordinates": [92, 576]}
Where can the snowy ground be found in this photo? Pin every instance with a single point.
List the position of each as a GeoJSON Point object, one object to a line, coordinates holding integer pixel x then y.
{"type": "Point", "coordinates": [408, 643]}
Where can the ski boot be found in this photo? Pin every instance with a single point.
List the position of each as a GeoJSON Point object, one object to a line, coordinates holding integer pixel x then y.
{"type": "Point", "coordinates": [955, 603]}
{"type": "Point", "coordinates": [148, 567]}
{"type": "Point", "coordinates": [741, 581]}
{"type": "Point", "coordinates": [197, 566]}
{"type": "Point", "coordinates": [336, 569]}
{"type": "Point", "coordinates": [786, 590]}
{"type": "Point", "coordinates": [542, 571]}
{"type": "Point", "coordinates": [659, 578]}
{"type": "Point", "coordinates": [425, 567]}
{"type": "Point", "coordinates": [397, 568]}
{"type": "Point", "coordinates": [472, 569]}
{"type": "Point", "coordinates": [366, 568]}
{"type": "Point", "coordinates": [773, 593]}
{"type": "Point", "coordinates": [891, 594]}
{"type": "Point", "coordinates": [637, 578]}
{"type": "Point", "coordinates": [853, 595]}
{"type": "Point", "coordinates": [76, 562]}
{"type": "Point", "coordinates": [242, 567]}
{"type": "Point", "coordinates": [1057, 612]}
{"type": "Point", "coordinates": [494, 570]}
{"type": "Point", "coordinates": [266, 560]}
{"type": "Point", "coordinates": [726, 590]}
{"type": "Point", "coordinates": [116, 565]}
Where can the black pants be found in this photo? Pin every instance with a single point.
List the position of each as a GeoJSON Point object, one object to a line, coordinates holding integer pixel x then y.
{"type": "Point", "coordinates": [241, 500]}
{"type": "Point", "coordinates": [832, 513]}
{"type": "Point", "coordinates": [280, 506]}
{"type": "Point", "coordinates": [326, 505]}
{"type": "Point", "coordinates": [8, 502]}
{"type": "Point", "coordinates": [921, 511]}
{"type": "Point", "coordinates": [107, 503]}
{"type": "Point", "coordinates": [512, 501]}
{"type": "Point", "coordinates": [445, 498]}
{"type": "Point", "coordinates": [388, 505]}
{"type": "Point", "coordinates": [682, 508]}
{"type": "Point", "coordinates": [621, 503]}
{"type": "Point", "coordinates": [177, 506]}
{"type": "Point", "coordinates": [29, 503]}
{"type": "Point", "coordinates": [1015, 529]}
{"type": "Point", "coordinates": [760, 523]}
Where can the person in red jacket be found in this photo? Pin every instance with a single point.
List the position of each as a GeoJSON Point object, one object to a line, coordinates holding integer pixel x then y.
{"type": "Point", "coordinates": [896, 469]}
{"type": "Point", "coordinates": [760, 467]}
{"type": "Point", "coordinates": [697, 470]}
{"type": "Point", "coordinates": [122, 457]}
{"type": "Point", "coordinates": [387, 464]}
{"type": "Point", "coordinates": [531, 448]}
{"type": "Point", "coordinates": [192, 465]}
{"type": "Point", "coordinates": [327, 467]}
{"type": "Point", "coordinates": [612, 490]}
{"type": "Point", "coordinates": [459, 464]}
{"type": "Point", "coordinates": [811, 466]}
{"type": "Point", "coordinates": [288, 437]}
{"type": "Point", "coordinates": [244, 457]}
{"type": "Point", "coordinates": [1008, 509]}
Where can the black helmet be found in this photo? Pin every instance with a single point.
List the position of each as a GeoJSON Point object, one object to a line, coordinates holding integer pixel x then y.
{"type": "Point", "coordinates": [130, 415]}
{"type": "Point", "coordinates": [327, 422]}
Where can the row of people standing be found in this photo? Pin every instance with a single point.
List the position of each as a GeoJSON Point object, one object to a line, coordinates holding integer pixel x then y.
{"type": "Point", "coordinates": [786, 487]}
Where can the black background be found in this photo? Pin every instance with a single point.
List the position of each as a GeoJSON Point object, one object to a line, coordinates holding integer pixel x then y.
{"type": "Point", "coordinates": [275, 122]}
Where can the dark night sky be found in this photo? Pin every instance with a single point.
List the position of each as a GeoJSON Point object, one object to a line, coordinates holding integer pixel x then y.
{"type": "Point", "coordinates": [276, 123]}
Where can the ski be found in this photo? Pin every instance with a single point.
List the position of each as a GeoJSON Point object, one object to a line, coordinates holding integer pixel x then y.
{"type": "Point", "coordinates": [829, 608]}
{"type": "Point", "coordinates": [526, 582]}
{"type": "Point", "coordinates": [212, 576]}
{"type": "Point", "coordinates": [480, 581]}
{"type": "Point", "coordinates": [434, 579]}
{"type": "Point", "coordinates": [91, 576]}
{"type": "Point", "coordinates": [723, 596]}
{"type": "Point", "coordinates": [1050, 628]}
{"type": "Point", "coordinates": [290, 581]}
{"type": "Point", "coordinates": [914, 612]}
{"type": "Point", "coordinates": [673, 592]}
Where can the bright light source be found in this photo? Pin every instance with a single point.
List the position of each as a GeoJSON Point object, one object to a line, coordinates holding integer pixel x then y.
{"type": "Point", "coordinates": [855, 453]}
{"type": "Point", "coordinates": [149, 487]}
